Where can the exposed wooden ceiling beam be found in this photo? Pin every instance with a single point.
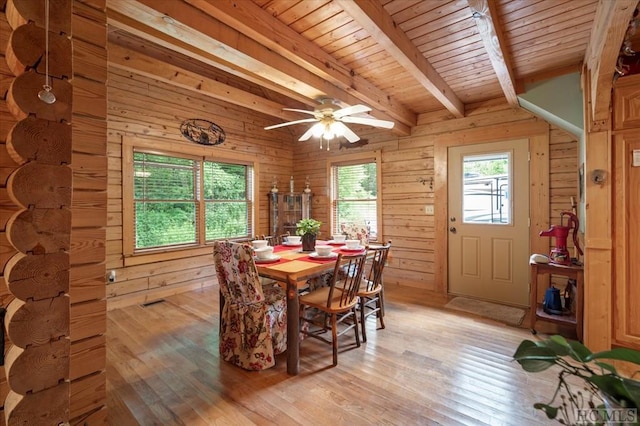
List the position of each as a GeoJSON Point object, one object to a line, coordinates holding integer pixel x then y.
{"type": "Point", "coordinates": [250, 19]}
{"type": "Point", "coordinates": [169, 32]}
{"type": "Point", "coordinates": [371, 15]}
{"type": "Point", "coordinates": [609, 27]}
{"type": "Point", "coordinates": [486, 17]}
{"type": "Point", "coordinates": [134, 61]}
{"type": "Point", "coordinates": [222, 45]}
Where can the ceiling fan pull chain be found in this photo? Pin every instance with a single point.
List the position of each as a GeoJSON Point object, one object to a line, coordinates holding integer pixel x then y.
{"type": "Point", "coordinates": [46, 95]}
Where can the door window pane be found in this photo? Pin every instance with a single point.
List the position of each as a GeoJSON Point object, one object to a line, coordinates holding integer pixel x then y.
{"type": "Point", "coordinates": [486, 182]}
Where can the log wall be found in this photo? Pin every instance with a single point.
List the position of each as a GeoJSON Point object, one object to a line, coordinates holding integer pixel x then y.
{"type": "Point", "coordinates": [83, 353]}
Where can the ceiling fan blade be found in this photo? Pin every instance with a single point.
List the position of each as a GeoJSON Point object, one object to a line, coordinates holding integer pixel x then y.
{"type": "Point", "coordinates": [289, 123]}
{"type": "Point", "coordinates": [306, 135]}
{"type": "Point", "coordinates": [355, 109]}
{"type": "Point", "coordinates": [369, 122]}
{"type": "Point", "coordinates": [346, 132]}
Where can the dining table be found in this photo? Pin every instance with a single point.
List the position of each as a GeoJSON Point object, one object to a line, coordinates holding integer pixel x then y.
{"type": "Point", "coordinates": [293, 267]}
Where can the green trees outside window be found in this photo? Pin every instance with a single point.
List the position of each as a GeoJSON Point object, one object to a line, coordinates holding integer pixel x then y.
{"type": "Point", "coordinates": [355, 194]}
{"type": "Point", "coordinates": [226, 199]}
{"type": "Point", "coordinates": [169, 200]}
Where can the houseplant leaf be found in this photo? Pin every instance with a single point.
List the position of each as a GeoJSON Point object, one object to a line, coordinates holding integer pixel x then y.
{"type": "Point", "coordinates": [620, 354]}
{"type": "Point", "coordinates": [579, 352]}
{"type": "Point", "coordinates": [533, 357]}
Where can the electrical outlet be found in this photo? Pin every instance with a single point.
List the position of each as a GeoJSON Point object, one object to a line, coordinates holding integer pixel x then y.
{"type": "Point", "coordinates": [429, 209]}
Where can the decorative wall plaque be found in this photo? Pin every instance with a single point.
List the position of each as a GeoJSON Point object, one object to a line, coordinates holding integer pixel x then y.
{"type": "Point", "coordinates": [201, 131]}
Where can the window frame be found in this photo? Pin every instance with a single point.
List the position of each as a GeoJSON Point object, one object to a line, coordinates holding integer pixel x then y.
{"type": "Point", "coordinates": [199, 153]}
{"type": "Point", "coordinates": [349, 160]}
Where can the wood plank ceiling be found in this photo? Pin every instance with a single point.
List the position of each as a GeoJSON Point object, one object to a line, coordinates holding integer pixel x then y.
{"type": "Point", "coordinates": [402, 58]}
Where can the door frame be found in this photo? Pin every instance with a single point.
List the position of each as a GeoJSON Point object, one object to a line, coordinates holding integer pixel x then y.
{"type": "Point", "coordinates": [538, 134]}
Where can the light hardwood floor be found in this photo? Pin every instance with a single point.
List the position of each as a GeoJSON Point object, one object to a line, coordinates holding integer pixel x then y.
{"type": "Point", "coordinates": [429, 366]}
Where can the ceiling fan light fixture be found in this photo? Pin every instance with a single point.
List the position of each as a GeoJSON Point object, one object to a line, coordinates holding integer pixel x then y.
{"type": "Point", "coordinates": [337, 129]}
{"type": "Point", "coordinates": [329, 120]}
{"type": "Point", "coordinates": [328, 133]}
{"type": "Point", "coordinates": [317, 130]}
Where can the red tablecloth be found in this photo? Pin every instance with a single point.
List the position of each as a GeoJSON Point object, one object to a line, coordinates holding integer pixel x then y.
{"type": "Point", "coordinates": [281, 260]}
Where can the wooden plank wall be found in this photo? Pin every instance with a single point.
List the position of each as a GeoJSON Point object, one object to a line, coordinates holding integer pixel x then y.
{"type": "Point", "coordinates": [89, 213]}
{"type": "Point", "coordinates": [407, 173]}
{"type": "Point", "coordinates": [150, 111]}
{"type": "Point", "coordinates": [140, 107]}
{"type": "Point", "coordinates": [144, 108]}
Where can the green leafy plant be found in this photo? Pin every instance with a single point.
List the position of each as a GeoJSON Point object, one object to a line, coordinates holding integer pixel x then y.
{"type": "Point", "coordinates": [308, 226]}
{"type": "Point", "coordinates": [602, 384]}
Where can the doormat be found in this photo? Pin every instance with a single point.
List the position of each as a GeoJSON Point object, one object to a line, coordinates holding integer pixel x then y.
{"type": "Point", "coordinates": [506, 314]}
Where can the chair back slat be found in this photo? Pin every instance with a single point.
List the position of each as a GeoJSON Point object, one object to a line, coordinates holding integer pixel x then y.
{"type": "Point", "coordinates": [275, 240]}
{"type": "Point", "coordinates": [347, 274]}
{"type": "Point", "coordinates": [376, 266]}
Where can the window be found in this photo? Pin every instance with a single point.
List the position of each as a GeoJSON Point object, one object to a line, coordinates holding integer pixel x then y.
{"type": "Point", "coordinates": [486, 196]}
{"type": "Point", "coordinates": [165, 205]}
{"type": "Point", "coordinates": [227, 201]}
{"type": "Point", "coordinates": [181, 201]}
{"type": "Point", "coordinates": [355, 195]}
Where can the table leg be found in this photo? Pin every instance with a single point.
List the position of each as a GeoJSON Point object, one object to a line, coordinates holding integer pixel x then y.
{"type": "Point", "coordinates": [293, 325]}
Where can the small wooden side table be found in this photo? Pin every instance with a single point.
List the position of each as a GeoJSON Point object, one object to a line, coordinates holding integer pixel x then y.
{"type": "Point", "coordinates": [538, 314]}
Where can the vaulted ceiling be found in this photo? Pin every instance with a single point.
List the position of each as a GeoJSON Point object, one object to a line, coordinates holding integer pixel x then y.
{"type": "Point", "coordinates": [403, 58]}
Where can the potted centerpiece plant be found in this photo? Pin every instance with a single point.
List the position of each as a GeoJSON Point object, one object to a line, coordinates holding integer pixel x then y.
{"type": "Point", "coordinates": [308, 229]}
{"type": "Point", "coordinates": [604, 397]}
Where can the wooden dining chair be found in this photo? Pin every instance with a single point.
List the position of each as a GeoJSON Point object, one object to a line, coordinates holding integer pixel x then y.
{"type": "Point", "coordinates": [253, 318]}
{"type": "Point", "coordinates": [334, 305]}
{"type": "Point", "coordinates": [283, 237]}
{"type": "Point", "coordinates": [371, 293]}
{"type": "Point", "coordinates": [275, 240]}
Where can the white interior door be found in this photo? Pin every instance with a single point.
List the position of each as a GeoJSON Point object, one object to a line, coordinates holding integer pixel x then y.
{"type": "Point", "coordinates": [489, 221]}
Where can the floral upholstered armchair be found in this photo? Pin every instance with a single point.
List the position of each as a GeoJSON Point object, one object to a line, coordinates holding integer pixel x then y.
{"type": "Point", "coordinates": [253, 321]}
{"type": "Point", "coordinates": [356, 231]}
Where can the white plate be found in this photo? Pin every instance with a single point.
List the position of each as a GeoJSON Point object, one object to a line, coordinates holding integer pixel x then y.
{"type": "Point", "coordinates": [332, 242]}
{"type": "Point", "coordinates": [271, 259]}
{"type": "Point", "coordinates": [315, 255]}
{"type": "Point", "coordinates": [287, 243]}
{"type": "Point", "coordinates": [345, 248]}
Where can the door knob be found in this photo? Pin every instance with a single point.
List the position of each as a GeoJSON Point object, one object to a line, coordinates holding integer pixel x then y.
{"type": "Point", "coordinates": [452, 229]}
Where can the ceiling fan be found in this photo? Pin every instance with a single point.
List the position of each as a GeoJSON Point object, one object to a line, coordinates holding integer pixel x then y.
{"type": "Point", "coordinates": [330, 119]}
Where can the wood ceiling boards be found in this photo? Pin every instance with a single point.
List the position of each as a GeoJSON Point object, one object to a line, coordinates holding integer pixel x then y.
{"type": "Point", "coordinates": [401, 57]}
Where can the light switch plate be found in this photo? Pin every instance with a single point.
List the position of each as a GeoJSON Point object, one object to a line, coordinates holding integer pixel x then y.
{"type": "Point", "coordinates": [428, 209]}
